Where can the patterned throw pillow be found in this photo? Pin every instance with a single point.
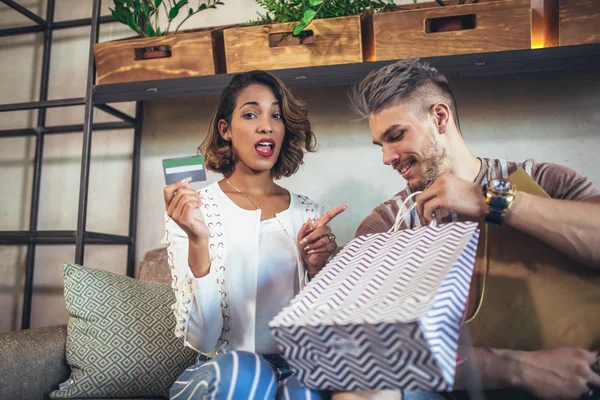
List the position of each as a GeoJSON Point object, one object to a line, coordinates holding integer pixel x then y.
{"type": "Point", "coordinates": [121, 340]}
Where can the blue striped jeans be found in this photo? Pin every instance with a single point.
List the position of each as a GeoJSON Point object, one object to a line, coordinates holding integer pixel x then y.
{"type": "Point", "coordinates": [240, 375]}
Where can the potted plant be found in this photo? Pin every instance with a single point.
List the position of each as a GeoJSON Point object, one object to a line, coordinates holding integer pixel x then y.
{"type": "Point", "coordinates": [301, 33]}
{"type": "Point", "coordinates": [159, 51]}
{"type": "Point", "coordinates": [303, 12]}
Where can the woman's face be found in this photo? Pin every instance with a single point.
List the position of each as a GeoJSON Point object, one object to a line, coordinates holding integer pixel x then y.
{"type": "Point", "coordinates": [256, 130]}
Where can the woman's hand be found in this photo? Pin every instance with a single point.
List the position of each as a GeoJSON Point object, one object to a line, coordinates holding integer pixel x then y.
{"type": "Point", "coordinates": [316, 242]}
{"type": "Point", "coordinates": [181, 201]}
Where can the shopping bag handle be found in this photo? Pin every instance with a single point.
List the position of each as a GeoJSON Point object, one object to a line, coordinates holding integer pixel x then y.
{"type": "Point", "coordinates": [401, 216]}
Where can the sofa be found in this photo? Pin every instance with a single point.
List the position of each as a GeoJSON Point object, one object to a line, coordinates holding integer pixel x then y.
{"type": "Point", "coordinates": [32, 361]}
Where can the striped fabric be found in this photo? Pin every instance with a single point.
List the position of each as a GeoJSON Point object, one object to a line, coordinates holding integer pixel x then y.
{"type": "Point", "coordinates": [237, 375]}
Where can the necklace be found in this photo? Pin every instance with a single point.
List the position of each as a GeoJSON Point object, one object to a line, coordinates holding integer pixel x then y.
{"type": "Point", "coordinates": [248, 197]}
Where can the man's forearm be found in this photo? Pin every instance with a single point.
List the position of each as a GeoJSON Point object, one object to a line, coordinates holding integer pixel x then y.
{"type": "Point", "coordinates": [573, 227]}
{"type": "Point", "coordinates": [493, 369]}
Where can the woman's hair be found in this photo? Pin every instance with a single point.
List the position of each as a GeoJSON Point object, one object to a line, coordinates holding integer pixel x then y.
{"type": "Point", "coordinates": [298, 137]}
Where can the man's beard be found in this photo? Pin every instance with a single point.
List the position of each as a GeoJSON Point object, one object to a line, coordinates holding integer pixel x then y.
{"type": "Point", "coordinates": [432, 166]}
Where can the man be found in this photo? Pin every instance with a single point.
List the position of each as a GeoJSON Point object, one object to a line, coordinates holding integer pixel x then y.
{"type": "Point", "coordinates": [413, 117]}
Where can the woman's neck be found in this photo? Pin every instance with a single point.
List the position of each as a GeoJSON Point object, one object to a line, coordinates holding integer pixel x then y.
{"type": "Point", "coordinates": [251, 182]}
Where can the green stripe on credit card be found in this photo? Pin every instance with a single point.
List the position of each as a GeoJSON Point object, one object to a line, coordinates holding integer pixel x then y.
{"type": "Point", "coordinates": [176, 169]}
{"type": "Point", "coordinates": [181, 161]}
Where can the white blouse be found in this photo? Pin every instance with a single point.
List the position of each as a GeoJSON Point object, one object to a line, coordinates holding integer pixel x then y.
{"type": "Point", "coordinates": [218, 312]}
{"type": "Point", "coordinates": [277, 280]}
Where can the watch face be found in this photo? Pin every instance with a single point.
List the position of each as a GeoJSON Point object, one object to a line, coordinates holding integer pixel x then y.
{"type": "Point", "coordinates": [501, 186]}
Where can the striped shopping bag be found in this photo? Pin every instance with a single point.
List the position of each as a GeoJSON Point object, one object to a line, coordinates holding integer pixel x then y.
{"type": "Point", "coordinates": [384, 313]}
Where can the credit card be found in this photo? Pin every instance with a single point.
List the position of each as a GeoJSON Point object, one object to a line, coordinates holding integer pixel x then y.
{"type": "Point", "coordinates": [180, 168]}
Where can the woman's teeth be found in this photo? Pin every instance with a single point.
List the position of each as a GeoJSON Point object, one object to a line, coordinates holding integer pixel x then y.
{"type": "Point", "coordinates": [265, 148]}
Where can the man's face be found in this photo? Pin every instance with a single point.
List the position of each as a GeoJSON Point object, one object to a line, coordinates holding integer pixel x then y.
{"type": "Point", "coordinates": [409, 141]}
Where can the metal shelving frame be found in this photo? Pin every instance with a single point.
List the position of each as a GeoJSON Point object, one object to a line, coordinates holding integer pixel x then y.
{"type": "Point", "coordinates": [79, 237]}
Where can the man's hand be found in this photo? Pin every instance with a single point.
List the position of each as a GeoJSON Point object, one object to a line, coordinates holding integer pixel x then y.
{"type": "Point", "coordinates": [450, 193]}
{"type": "Point", "coordinates": [316, 242]}
{"type": "Point", "coordinates": [561, 373]}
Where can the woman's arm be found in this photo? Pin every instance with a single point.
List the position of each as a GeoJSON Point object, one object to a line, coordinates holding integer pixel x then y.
{"type": "Point", "coordinates": [198, 307]}
{"type": "Point", "coordinates": [198, 301]}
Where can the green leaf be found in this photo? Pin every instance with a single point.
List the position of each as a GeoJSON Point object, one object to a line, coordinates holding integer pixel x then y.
{"type": "Point", "coordinates": [315, 3]}
{"type": "Point", "coordinates": [202, 7]}
{"type": "Point", "coordinates": [309, 15]}
{"type": "Point", "coordinates": [118, 16]}
{"type": "Point", "coordinates": [149, 30]}
{"type": "Point", "coordinates": [299, 28]}
{"type": "Point", "coordinates": [190, 11]}
{"type": "Point", "coordinates": [175, 10]}
{"type": "Point", "coordinates": [157, 3]}
{"type": "Point", "coordinates": [145, 10]}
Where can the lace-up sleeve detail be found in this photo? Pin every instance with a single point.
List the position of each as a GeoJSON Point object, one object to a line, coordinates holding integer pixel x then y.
{"type": "Point", "coordinates": [310, 208]}
{"type": "Point", "coordinates": [197, 300]}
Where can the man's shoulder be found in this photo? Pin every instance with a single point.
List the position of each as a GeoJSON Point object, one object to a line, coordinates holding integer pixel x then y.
{"type": "Point", "coordinates": [562, 182]}
{"type": "Point", "coordinates": [559, 181]}
{"type": "Point", "coordinates": [396, 199]}
{"type": "Point", "coordinates": [493, 168]}
{"type": "Point", "coordinates": [383, 216]}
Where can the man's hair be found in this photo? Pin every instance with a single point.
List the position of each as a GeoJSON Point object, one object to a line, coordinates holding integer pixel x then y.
{"type": "Point", "coordinates": [410, 80]}
{"type": "Point", "coordinates": [298, 137]}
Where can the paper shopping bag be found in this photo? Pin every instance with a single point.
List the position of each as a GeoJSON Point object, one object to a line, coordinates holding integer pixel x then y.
{"type": "Point", "coordinates": [384, 313]}
{"type": "Point", "coordinates": [528, 295]}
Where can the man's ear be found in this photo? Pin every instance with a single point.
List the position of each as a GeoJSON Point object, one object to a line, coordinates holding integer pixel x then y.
{"type": "Point", "coordinates": [441, 116]}
{"type": "Point", "coordinates": [224, 130]}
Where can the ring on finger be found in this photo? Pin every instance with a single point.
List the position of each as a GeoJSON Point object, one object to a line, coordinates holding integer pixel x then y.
{"type": "Point", "coordinates": [331, 237]}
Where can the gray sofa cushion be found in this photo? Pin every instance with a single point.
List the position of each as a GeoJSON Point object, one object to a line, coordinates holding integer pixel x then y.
{"type": "Point", "coordinates": [32, 362]}
{"type": "Point", "coordinates": [121, 340]}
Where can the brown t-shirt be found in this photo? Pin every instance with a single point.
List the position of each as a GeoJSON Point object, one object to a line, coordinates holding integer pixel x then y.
{"type": "Point", "coordinates": [558, 181]}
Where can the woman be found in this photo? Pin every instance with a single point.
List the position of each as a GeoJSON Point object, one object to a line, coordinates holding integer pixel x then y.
{"type": "Point", "coordinates": [251, 246]}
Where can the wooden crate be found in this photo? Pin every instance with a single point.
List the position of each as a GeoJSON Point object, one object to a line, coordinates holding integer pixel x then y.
{"type": "Point", "coordinates": [269, 47]}
{"type": "Point", "coordinates": [544, 23]}
{"type": "Point", "coordinates": [579, 22]}
{"type": "Point", "coordinates": [191, 54]}
{"type": "Point", "coordinates": [488, 26]}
